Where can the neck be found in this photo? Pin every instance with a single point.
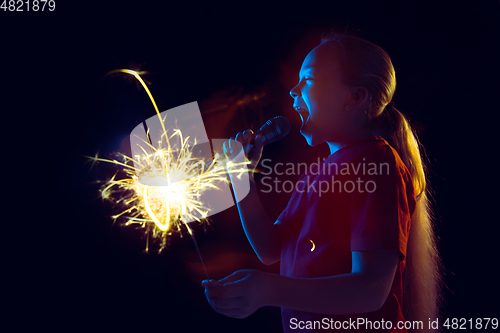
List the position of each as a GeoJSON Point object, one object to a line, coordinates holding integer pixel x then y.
{"type": "Point", "coordinates": [333, 147]}
{"type": "Point", "coordinates": [360, 135]}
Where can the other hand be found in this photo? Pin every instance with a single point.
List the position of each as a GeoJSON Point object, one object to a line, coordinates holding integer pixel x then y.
{"type": "Point", "coordinates": [239, 294]}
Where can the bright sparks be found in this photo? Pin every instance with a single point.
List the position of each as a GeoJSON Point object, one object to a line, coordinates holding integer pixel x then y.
{"type": "Point", "coordinates": [162, 188]}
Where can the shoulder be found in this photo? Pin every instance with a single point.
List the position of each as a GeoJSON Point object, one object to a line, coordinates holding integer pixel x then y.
{"type": "Point", "coordinates": [378, 152]}
{"type": "Point", "coordinates": [375, 148]}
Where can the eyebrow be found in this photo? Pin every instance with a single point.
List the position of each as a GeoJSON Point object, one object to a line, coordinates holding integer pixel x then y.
{"type": "Point", "coordinates": [308, 68]}
{"type": "Point", "coordinates": [311, 67]}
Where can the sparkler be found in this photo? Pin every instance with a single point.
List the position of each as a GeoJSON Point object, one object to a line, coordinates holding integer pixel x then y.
{"type": "Point", "coordinates": [162, 188]}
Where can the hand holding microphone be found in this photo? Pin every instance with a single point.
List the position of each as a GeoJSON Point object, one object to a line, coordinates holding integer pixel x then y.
{"type": "Point", "coordinates": [252, 146]}
{"type": "Point", "coordinates": [273, 130]}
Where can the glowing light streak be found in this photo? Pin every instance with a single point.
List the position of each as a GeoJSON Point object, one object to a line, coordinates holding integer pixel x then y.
{"type": "Point", "coordinates": [314, 245]}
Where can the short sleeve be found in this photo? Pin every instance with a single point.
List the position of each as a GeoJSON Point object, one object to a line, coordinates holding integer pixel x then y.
{"type": "Point", "coordinates": [296, 206]}
{"type": "Point", "coordinates": [283, 216]}
{"type": "Point", "coordinates": [281, 219]}
{"type": "Point", "coordinates": [382, 204]}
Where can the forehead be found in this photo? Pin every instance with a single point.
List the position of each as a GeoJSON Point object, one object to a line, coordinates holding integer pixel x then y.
{"type": "Point", "coordinates": [323, 58]}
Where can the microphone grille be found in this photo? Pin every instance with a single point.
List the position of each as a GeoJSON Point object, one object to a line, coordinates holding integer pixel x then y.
{"type": "Point", "coordinates": [275, 129]}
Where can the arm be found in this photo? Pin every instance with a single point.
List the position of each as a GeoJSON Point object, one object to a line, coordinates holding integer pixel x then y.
{"type": "Point", "coordinates": [363, 290]}
{"type": "Point", "coordinates": [262, 233]}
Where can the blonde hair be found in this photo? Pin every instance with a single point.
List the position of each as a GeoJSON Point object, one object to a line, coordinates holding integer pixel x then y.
{"type": "Point", "coordinates": [368, 65]}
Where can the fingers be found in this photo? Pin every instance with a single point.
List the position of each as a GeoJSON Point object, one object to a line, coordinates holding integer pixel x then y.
{"type": "Point", "coordinates": [245, 136]}
{"type": "Point", "coordinates": [238, 275]}
{"type": "Point", "coordinates": [256, 153]}
{"type": "Point", "coordinates": [244, 139]}
{"type": "Point", "coordinates": [226, 293]}
{"type": "Point", "coordinates": [223, 304]}
{"type": "Point", "coordinates": [258, 142]}
{"type": "Point", "coordinates": [222, 299]}
{"type": "Point", "coordinates": [258, 145]}
{"type": "Point", "coordinates": [236, 295]}
{"type": "Point", "coordinates": [222, 290]}
{"type": "Point", "coordinates": [231, 146]}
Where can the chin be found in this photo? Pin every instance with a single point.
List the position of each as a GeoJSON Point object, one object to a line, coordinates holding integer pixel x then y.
{"type": "Point", "coordinates": [311, 140]}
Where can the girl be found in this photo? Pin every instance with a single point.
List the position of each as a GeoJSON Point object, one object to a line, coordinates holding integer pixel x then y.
{"type": "Point", "coordinates": [360, 252]}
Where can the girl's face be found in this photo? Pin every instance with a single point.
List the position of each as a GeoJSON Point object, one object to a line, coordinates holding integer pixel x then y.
{"type": "Point", "coordinates": [321, 98]}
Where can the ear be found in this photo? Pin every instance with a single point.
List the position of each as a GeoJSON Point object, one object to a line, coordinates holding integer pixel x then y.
{"type": "Point", "coordinates": [359, 96]}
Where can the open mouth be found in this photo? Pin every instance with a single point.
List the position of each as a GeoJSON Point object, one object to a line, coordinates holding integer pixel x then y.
{"type": "Point", "coordinates": [304, 115]}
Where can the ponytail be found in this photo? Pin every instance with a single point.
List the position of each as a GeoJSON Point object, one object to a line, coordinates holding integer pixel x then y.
{"type": "Point", "coordinates": [368, 65]}
{"type": "Point", "coordinates": [422, 275]}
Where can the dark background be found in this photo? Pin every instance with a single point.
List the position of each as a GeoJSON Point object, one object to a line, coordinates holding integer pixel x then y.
{"type": "Point", "coordinates": [75, 271]}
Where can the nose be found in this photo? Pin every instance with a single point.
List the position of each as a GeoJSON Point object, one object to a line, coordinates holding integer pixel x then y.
{"type": "Point", "coordinates": [294, 92]}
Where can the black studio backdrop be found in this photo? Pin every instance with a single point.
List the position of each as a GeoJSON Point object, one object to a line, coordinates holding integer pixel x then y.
{"type": "Point", "coordinates": [96, 274]}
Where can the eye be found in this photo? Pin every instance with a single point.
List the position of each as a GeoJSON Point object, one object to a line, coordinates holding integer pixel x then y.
{"type": "Point", "coordinates": [304, 80]}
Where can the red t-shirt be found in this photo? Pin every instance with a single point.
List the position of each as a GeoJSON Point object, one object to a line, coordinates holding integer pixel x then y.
{"type": "Point", "coordinates": [360, 198]}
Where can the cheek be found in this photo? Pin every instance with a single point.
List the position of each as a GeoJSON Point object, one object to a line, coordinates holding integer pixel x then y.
{"type": "Point", "coordinates": [317, 94]}
{"type": "Point", "coordinates": [326, 96]}
{"type": "Point", "coordinates": [319, 101]}
{"type": "Point", "coordinates": [325, 108]}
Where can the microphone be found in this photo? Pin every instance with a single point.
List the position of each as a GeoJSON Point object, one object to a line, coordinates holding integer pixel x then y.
{"type": "Point", "coordinates": [273, 130]}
